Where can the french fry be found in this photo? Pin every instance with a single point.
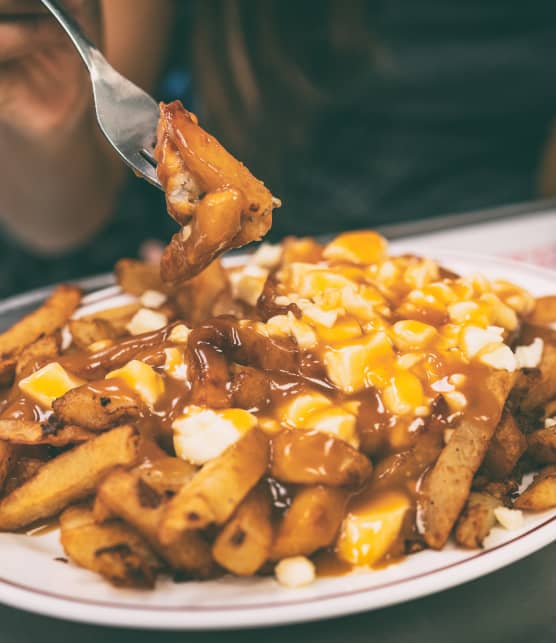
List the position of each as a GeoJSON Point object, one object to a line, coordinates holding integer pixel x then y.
{"type": "Point", "coordinates": [508, 444]}
{"type": "Point", "coordinates": [541, 493]}
{"type": "Point", "coordinates": [126, 495]}
{"type": "Point", "coordinates": [542, 385]}
{"type": "Point", "coordinates": [476, 519]}
{"type": "Point", "coordinates": [311, 457]}
{"type": "Point", "coordinates": [542, 445]}
{"type": "Point", "coordinates": [118, 317]}
{"type": "Point", "coordinates": [94, 409]}
{"type": "Point", "coordinates": [243, 545]}
{"type": "Point", "coordinates": [51, 316]}
{"type": "Point", "coordinates": [85, 332]}
{"type": "Point", "coordinates": [69, 477]}
{"type": "Point", "coordinates": [113, 550]}
{"type": "Point", "coordinates": [134, 277]}
{"type": "Point", "coordinates": [26, 432]}
{"type": "Point", "coordinates": [544, 312]}
{"type": "Point", "coordinates": [45, 348]}
{"type": "Point", "coordinates": [195, 299]}
{"type": "Point", "coordinates": [166, 474]}
{"type": "Point", "coordinates": [446, 487]}
{"type": "Point", "coordinates": [311, 522]}
{"type": "Point", "coordinates": [6, 458]}
{"type": "Point", "coordinates": [215, 492]}
{"type": "Point", "coordinates": [22, 469]}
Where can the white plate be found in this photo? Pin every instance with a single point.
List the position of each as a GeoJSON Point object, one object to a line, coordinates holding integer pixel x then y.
{"type": "Point", "coordinates": [31, 578]}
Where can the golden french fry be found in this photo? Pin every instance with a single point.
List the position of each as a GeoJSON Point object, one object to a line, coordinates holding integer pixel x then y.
{"type": "Point", "coordinates": [508, 444]}
{"type": "Point", "coordinates": [539, 387]}
{"type": "Point", "coordinates": [6, 458]}
{"type": "Point", "coordinates": [215, 492]}
{"type": "Point", "coordinates": [542, 445]}
{"type": "Point", "coordinates": [113, 550]}
{"type": "Point", "coordinates": [118, 317]}
{"type": "Point", "coordinates": [134, 277]}
{"type": "Point", "coordinates": [166, 474]}
{"type": "Point", "coordinates": [544, 312]}
{"type": "Point", "coordinates": [37, 353]}
{"type": "Point", "coordinates": [243, 545]}
{"type": "Point", "coordinates": [127, 496]}
{"type": "Point", "coordinates": [541, 493]}
{"type": "Point", "coordinates": [311, 522]}
{"type": "Point", "coordinates": [311, 457]}
{"type": "Point", "coordinates": [476, 519]}
{"type": "Point", "coordinates": [85, 332]}
{"type": "Point", "coordinates": [51, 316]}
{"type": "Point", "coordinates": [69, 477]}
{"type": "Point", "coordinates": [196, 298]}
{"type": "Point", "coordinates": [25, 432]}
{"type": "Point", "coordinates": [22, 469]}
{"type": "Point", "coordinates": [446, 487]}
{"type": "Point", "coordinates": [93, 409]}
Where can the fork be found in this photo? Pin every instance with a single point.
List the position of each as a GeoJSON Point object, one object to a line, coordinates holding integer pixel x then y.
{"type": "Point", "coordinates": [127, 115]}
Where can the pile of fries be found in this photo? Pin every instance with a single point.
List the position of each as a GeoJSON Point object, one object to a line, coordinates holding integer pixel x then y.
{"type": "Point", "coordinates": [317, 408]}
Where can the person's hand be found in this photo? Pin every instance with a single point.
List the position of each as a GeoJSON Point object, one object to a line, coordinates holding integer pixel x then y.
{"type": "Point", "coordinates": [44, 87]}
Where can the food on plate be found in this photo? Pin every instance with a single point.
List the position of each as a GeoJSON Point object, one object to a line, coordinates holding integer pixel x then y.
{"type": "Point", "coordinates": [341, 403]}
{"type": "Point", "coordinates": [213, 196]}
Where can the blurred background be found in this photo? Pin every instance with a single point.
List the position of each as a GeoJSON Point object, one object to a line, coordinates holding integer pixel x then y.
{"type": "Point", "coordinates": [355, 114]}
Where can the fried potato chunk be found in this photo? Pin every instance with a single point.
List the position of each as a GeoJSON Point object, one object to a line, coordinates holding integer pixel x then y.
{"type": "Point", "coordinates": [216, 491]}
{"type": "Point", "coordinates": [113, 550]}
{"type": "Point", "coordinates": [69, 477]}
{"type": "Point", "coordinates": [477, 519]}
{"type": "Point", "coordinates": [542, 445]}
{"type": "Point", "coordinates": [51, 316]}
{"type": "Point", "coordinates": [539, 386]}
{"type": "Point", "coordinates": [541, 493]}
{"type": "Point", "coordinates": [243, 545]}
{"type": "Point", "coordinates": [507, 446]}
{"type": "Point", "coordinates": [94, 409]}
{"type": "Point", "coordinates": [311, 522]}
{"type": "Point", "coordinates": [544, 312]}
{"type": "Point", "coordinates": [311, 457]}
{"type": "Point", "coordinates": [220, 203]}
{"type": "Point", "coordinates": [25, 432]}
{"type": "Point", "coordinates": [446, 487]}
{"type": "Point", "coordinates": [85, 332]}
{"type": "Point", "coordinates": [40, 351]}
{"type": "Point", "coordinates": [127, 496]}
{"type": "Point", "coordinates": [134, 277]}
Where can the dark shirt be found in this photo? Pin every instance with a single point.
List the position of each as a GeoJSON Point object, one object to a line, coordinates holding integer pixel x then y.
{"type": "Point", "coordinates": [454, 117]}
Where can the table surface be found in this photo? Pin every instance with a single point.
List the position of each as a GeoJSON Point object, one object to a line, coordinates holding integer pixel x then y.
{"type": "Point", "coordinates": [513, 605]}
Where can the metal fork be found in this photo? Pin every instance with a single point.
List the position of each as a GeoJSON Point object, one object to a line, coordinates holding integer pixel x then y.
{"type": "Point", "coordinates": [126, 114]}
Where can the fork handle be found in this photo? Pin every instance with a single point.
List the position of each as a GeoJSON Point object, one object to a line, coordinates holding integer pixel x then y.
{"type": "Point", "coordinates": [88, 52]}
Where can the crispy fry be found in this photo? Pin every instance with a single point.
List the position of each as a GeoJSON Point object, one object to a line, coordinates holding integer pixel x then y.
{"type": "Point", "coordinates": [22, 469]}
{"type": "Point", "coordinates": [507, 446]}
{"type": "Point", "coordinates": [544, 312]}
{"type": "Point", "coordinates": [447, 485]}
{"type": "Point", "coordinates": [69, 477]}
{"type": "Point", "coordinates": [134, 277]}
{"type": "Point", "coordinates": [542, 388]}
{"type": "Point", "coordinates": [311, 522]}
{"type": "Point", "coordinates": [34, 355]}
{"type": "Point", "coordinates": [113, 550]}
{"type": "Point", "coordinates": [118, 318]}
{"type": "Point", "coordinates": [542, 445]}
{"type": "Point", "coordinates": [311, 457]}
{"type": "Point", "coordinates": [126, 495]}
{"type": "Point", "coordinates": [6, 458]}
{"type": "Point", "coordinates": [541, 493]}
{"type": "Point", "coordinates": [25, 432]}
{"type": "Point", "coordinates": [53, 314]}
{"type": "Point", "coordinates": [215, 492]}
{"type": "Point", "coordinates": [85, 332]}
{"type": "Point", "coordinates": [208, 190]}
{"type": "Point", "coordinates": [95, 409]}
{"type": "Point", "coordinates": [196, 298]}
{"type": "Point", "coordinates": [166, 474]}
{"type": "Point", "coordinates": [476, 519]}
{"type": "Point", "coordinates": [243, 545]}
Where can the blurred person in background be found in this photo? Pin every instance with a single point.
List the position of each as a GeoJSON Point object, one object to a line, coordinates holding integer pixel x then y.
{"type": "Point", "coordinates": [354, 113]}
